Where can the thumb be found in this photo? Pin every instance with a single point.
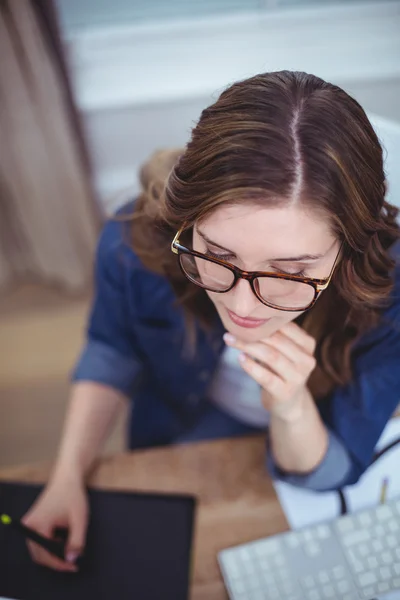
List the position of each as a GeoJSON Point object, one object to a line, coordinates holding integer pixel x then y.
{"type": "Point", "coordinates": [76, 537]}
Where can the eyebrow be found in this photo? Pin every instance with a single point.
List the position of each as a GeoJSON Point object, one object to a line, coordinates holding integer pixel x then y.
{"type": "Point", "coordinates": [301, 258]}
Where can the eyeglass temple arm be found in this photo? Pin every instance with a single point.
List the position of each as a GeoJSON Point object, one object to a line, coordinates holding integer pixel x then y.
{"type": "Point", "coordinates": [175, 241]}
{"type": "Point", "coordinates": [323, 286]}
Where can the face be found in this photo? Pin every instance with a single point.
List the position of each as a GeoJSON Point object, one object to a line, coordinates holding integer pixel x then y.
{"type": "Point", "coordinates": [284, 240]}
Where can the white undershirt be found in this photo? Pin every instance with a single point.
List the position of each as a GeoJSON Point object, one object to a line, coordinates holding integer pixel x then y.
{"type": "Point", "coordinates": [233, 391]}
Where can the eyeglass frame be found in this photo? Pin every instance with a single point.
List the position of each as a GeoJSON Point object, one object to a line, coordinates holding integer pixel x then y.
{"type": "Point", "coordinates": [319, 285]}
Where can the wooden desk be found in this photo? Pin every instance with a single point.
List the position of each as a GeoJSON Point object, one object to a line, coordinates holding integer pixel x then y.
{"type": "Point", "coordinates": [237, 502]}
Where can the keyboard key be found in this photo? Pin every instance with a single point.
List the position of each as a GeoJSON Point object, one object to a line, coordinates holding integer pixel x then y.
{"type": "Point", "coordinates": [391, 541]}
{"type": "Point", "coordinates": [384, 573]}
{"type": "Point", "coordinates": [377, 545]}
{"type": "Point", "coordinates": [386, 558]}
{"type": "Point", "coordinates": [363, 550]}
{"type": "Point", "coordinates": [323, 577]}
{"type": "Point", "coordinates": [368, 593]}
{"type": "Point", "coordinates": [396, 568]}
{"type": "Point", "coordinates": [396, 582]}
{"type": "Point", "coordinates": [356, 537]}
{"type": "Point", "coordinates": [379, 531]}
{"type": "Point", "coordinates": [397, 553]}
{"type": "Point", "coordinates": [267, 547]}
{"type": "Point", "coordinates": [312, 549]}
{"type": "Point", "coordinates": [383, 512]}
{"type": "Point", "coordinates": [343, 586]}
{"type": "Point", "coordinates": [314, 595]}
{"type": "Point", "coordinates": [358, 567]}
{"type": "Point", "coordinates": [279, 560]}
{"type": "Point", "coordinates": [267, 574]}
{"type": "Point", "coordinates": [372, 562]}
{"type": "Point", "coordinates": [383, 586]}
{"type": "Point", "coordinates": [273, 592]}
{"type": "Point", "coordinates": [323, 532]}
{"type": "Point", "coordinates": [393, 526]}
{"type": "Point", "coordinates": [238, 587]}
{"type": "Point", "coordinates": [339, 572]}
{"type": "Point", "coordinates": [345, 524]}
{"type": "Point", "coordinates": [244, 554]}
{"type": "Point", "coordinates": [365, 519]}
{"type": "Point", "coordinates": [307, 535]}
{"type": "Point", "coordinates": [367, 579]}
{"type": "Point", "coordinates": [328, 591]}
{"type": "Point", "coordinates": [283, 574]}
{"type": "Point", "coordinates": [351, 553]}
{"type": "Point", "coordinates": [309, 581]}
{"type": "Point", "coordinates": [293, 541]}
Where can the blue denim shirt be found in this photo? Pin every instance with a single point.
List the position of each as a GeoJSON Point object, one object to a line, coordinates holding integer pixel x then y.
{"type": "Point", "coordinates": [136, 344]}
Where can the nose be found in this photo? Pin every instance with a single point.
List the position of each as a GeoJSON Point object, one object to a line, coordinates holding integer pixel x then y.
{"type": "Point", "coordinates": [243, 300]}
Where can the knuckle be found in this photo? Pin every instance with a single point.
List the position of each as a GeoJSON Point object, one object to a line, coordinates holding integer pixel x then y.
{"type": "Point", "coordinates": [312, 344]}
{"type": "Point", "coordinates": [312, 363]}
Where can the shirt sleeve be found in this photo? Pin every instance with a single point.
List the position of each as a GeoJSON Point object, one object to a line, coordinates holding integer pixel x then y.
{"type": "Point", "coordinates": [356, 414]}
{"type": "Point", "coordinates": [109, 355]}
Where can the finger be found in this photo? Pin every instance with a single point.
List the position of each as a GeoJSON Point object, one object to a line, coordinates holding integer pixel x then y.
{"type": "Point", "coordinates": [40, 555]}
{"type": "Point", "coordinates": [44, 558]}
{"type": "Point", "coordinates": [273, 359]}
{"type": "Point", "coordinates": [299, 336]}
{"type": "Point", "coordinates": [291, 350]}
{"type": "Point", "coordinates": [268, 380]}
{"type": "Point", "coordinates": [77, 534]}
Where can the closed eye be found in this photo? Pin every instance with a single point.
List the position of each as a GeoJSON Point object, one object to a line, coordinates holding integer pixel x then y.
{"type": "Point", "coordinates": [227, 257]}
{"type": "Point", "coordinates": [297, 273]}
{"type": "Point", "coordinates": [230, 257]}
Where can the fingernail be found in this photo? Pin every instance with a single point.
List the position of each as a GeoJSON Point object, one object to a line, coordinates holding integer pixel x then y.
{"type": "Point", "coordinates": [71, 556]}
{"type": "Point", "coordinates": [242, 357]}
{"type": "Point", "coordinates": [229, 339]}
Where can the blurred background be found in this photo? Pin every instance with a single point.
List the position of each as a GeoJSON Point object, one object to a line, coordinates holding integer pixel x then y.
{"type": "Point", "coordinates": [90, 88]}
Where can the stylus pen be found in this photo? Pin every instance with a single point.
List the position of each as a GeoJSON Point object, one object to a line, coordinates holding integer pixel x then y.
{"type": "Point", "coordinates": [54, 546]}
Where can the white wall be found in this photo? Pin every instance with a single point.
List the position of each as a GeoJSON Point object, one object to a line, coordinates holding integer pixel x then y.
{"type": "Point", "coordinates": [141, 88]}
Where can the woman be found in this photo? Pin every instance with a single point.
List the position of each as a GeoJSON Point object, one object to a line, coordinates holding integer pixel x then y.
{"type": "Point", "coordinates": [253, 288]}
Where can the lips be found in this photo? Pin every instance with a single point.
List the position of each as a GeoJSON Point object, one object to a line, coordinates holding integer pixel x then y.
{"type": "Point", "coordinates": [245, 321]}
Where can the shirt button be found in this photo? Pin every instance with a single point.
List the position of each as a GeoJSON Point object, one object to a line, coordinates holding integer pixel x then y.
{"type": "Point", "coordinates": [204, 375]}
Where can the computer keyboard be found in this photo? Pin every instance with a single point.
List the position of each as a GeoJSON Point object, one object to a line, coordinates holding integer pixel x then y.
{"type": "Point", "coordinates": [355, 557]}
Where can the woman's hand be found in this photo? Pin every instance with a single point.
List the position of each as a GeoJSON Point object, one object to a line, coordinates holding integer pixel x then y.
{"type": "Point", "coordinates": [63, 503]}
{"type": "Point", "coordinates": [281, 364]}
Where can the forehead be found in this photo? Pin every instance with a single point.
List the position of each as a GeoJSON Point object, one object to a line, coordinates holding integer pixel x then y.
{"type": "Point", "coordinates": [249, 230]}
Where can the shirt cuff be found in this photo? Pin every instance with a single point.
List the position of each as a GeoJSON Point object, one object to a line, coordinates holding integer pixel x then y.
{"type": "Point", "coordinates": [330, 474]}
{"type": "Point", "coordinates": [101, 363]}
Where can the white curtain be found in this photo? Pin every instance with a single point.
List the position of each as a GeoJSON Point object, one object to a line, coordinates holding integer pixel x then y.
{"type": "Point", "coordinates": [48, 217]}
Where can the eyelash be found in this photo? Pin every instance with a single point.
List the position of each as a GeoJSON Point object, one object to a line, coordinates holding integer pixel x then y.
{"type": "Point", "coordinates": [220, 256]}
{"type": "Point", "coordinates": [226, 257]}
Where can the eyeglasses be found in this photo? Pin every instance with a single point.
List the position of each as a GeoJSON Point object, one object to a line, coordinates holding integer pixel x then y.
{"type": "Point", "coordinates": [276, 290]}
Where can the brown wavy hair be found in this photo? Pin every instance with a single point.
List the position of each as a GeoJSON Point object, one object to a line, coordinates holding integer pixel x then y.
{"type": "Point", "coordinates": [275, 139]}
